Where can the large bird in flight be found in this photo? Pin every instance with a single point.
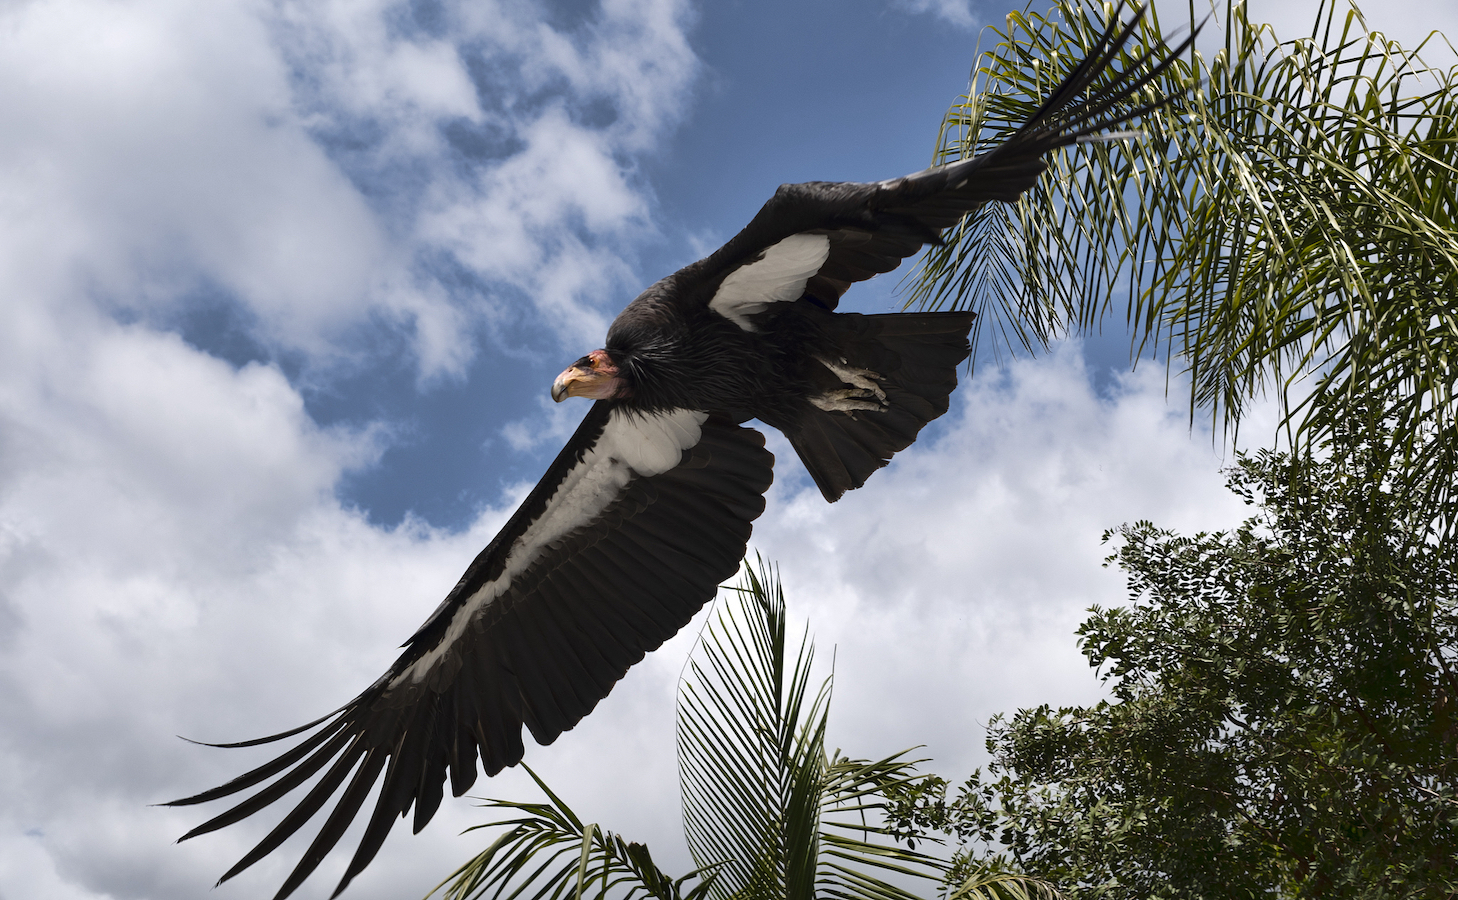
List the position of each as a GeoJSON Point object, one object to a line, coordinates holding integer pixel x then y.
{"type": "Point", "coordinates": [648, 507]}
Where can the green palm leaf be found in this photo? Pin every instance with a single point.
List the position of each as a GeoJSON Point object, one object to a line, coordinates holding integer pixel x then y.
{"type": "Point", "coordinates": [750, 757]}
{"type": "Point", "coordinates": [996, 885]}
{"type": "Point", "coordinates": [762, 798]}
{"type": "Point", "coordinates": [1286, 227]}
{"type": "Point", "coordinates": [547, 853]}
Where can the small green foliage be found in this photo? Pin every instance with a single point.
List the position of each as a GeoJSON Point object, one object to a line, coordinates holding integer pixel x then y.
{"type": "Point", "coordinates": [918, 808]}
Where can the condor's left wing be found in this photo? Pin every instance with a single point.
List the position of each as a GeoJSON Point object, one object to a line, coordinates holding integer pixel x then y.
{"type": "Point", "coordinates": [633, 527]}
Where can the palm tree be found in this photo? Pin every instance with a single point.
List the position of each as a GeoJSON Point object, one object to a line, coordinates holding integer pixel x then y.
{"type": "Point", "coordinates": [768, 813]}
{"type": "Point", "coordinates": [1286, 226]}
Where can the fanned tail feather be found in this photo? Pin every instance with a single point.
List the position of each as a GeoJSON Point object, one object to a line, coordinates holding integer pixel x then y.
{"type": "Point", "coordinates": [914, 357]}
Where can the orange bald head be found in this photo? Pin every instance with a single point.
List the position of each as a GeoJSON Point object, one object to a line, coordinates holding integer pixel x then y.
{"type": "Point", "coordinates": [594, 376]}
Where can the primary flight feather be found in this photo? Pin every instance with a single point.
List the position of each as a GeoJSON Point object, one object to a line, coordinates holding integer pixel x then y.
{"type": "Point", "coordinates": [649, 506]}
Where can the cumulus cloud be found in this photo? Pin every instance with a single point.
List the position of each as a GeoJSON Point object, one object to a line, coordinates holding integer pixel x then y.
{"type": "Point", "coordinates": [325, 166]}
{"type": "Point", "coordinates": [174, 563]}
{"type": "Point", "coordinates": [156, 153]}
{"type": "Point", "coordinates": [549, 426]}
{"type": "Point", "coordinates": [502, 151]}
{"type": "Point", "coordinates": [981, 549]}
{"type": "Point", "coordinates": [1410, 22]}
{"type": "Point", "coordinates": [954, 12]}
{"type": "Point", "coordinates": [173, 559]}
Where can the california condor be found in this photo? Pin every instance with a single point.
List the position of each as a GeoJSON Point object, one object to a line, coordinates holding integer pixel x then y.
{"type": "Point", "coordinates": [648, 507]}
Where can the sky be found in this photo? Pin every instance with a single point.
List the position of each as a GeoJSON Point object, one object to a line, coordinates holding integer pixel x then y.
{"type": "Point", "coordinates": [285, 286]}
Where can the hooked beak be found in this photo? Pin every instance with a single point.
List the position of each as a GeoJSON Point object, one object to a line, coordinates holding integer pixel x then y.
{"type": "Point", "coordinates": [594, 376]}
{"type": "Point", "coordinates": [562, 387]}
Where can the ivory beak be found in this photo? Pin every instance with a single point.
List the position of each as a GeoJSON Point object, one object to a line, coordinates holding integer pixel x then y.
{"type": "Point", "coordinates": [561, 388]}
{"type": "Point", "coordinates": [593, 376]}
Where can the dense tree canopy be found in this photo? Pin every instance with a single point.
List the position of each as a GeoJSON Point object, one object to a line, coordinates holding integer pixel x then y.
{"type": "Point", "coordinates": [1283, 720]}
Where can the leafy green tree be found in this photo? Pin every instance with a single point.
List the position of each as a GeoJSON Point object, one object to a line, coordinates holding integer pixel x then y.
{"type": "Point", "coordinates": [1286, 225]}
{"type": "Point", "coordinates": [1284, 720]}
{"type": "Point", "coordinates": [768, 812]}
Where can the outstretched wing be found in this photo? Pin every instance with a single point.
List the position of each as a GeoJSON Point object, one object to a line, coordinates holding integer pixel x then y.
{"type": "Point", "coordinates": [816, 239]}
{"type": "Point", "coordinates": [631, 530]}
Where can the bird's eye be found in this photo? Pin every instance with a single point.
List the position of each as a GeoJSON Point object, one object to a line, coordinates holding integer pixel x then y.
{"type": "Point", "coordinates": [585, 362]}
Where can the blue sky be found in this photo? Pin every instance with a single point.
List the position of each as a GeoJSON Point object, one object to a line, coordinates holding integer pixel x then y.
{"type": "Point", "coordinates": [744, 127]}
{"type": "Point", "coordinates": [285, 286]}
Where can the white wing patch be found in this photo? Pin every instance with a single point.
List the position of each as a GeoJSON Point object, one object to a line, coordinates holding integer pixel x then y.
{"type": "Point", "coordinates": [632, 445]}
{"type": "Point", "coordinates": [779, 276]}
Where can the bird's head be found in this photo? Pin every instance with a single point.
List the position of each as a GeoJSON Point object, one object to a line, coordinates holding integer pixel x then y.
{"type": "Point", "coordinates": [595, 376]}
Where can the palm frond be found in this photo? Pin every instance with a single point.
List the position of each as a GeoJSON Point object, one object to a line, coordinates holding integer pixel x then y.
{"type": "Point", "coordinates": [762, 799]}
{"type": "Point", "coordinates": [547, 853]}
{"type": "Point", "coordinates": [750, 735]}
{"type": "Point", "coordinates": [856, 845]}
{"type": "Point", "coordinates": [992, 884]}
{"type": "Point", "coordinates": [1286, 227]}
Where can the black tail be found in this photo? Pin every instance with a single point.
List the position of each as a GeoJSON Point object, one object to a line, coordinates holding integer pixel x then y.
{"type": "Point", "coordinates": [889, 375]}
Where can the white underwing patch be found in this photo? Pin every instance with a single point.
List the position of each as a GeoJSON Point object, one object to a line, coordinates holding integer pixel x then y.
{"type": "Point", "coordinates": [632, 445]}
{"type": "Point", "coordinates": [778, 276]}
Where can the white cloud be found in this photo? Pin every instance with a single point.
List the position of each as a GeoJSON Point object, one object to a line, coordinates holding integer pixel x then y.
{"type": "Point", "coordinates": [980, 549]}
{"type": "Point", "coordinates": [173, 562]}
{"type": "Point", "coordinates": [1410, 22]}
{"type": "Point", "coordinates": [156, 152]}
{"type": "Point", "coordinates": [550, 426]}
{"type": "Point", "coordinates": [172, 556]}
{"type": "Point", "coordinates": [508, 223]}
{"type": "Point", "coordinates": [295, 160]}
{"type": "Point", "coordinates": [954, 12]}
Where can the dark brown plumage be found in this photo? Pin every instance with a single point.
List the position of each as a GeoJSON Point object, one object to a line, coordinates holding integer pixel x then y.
{"type": "Point", "coordinates": [649, 506]}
